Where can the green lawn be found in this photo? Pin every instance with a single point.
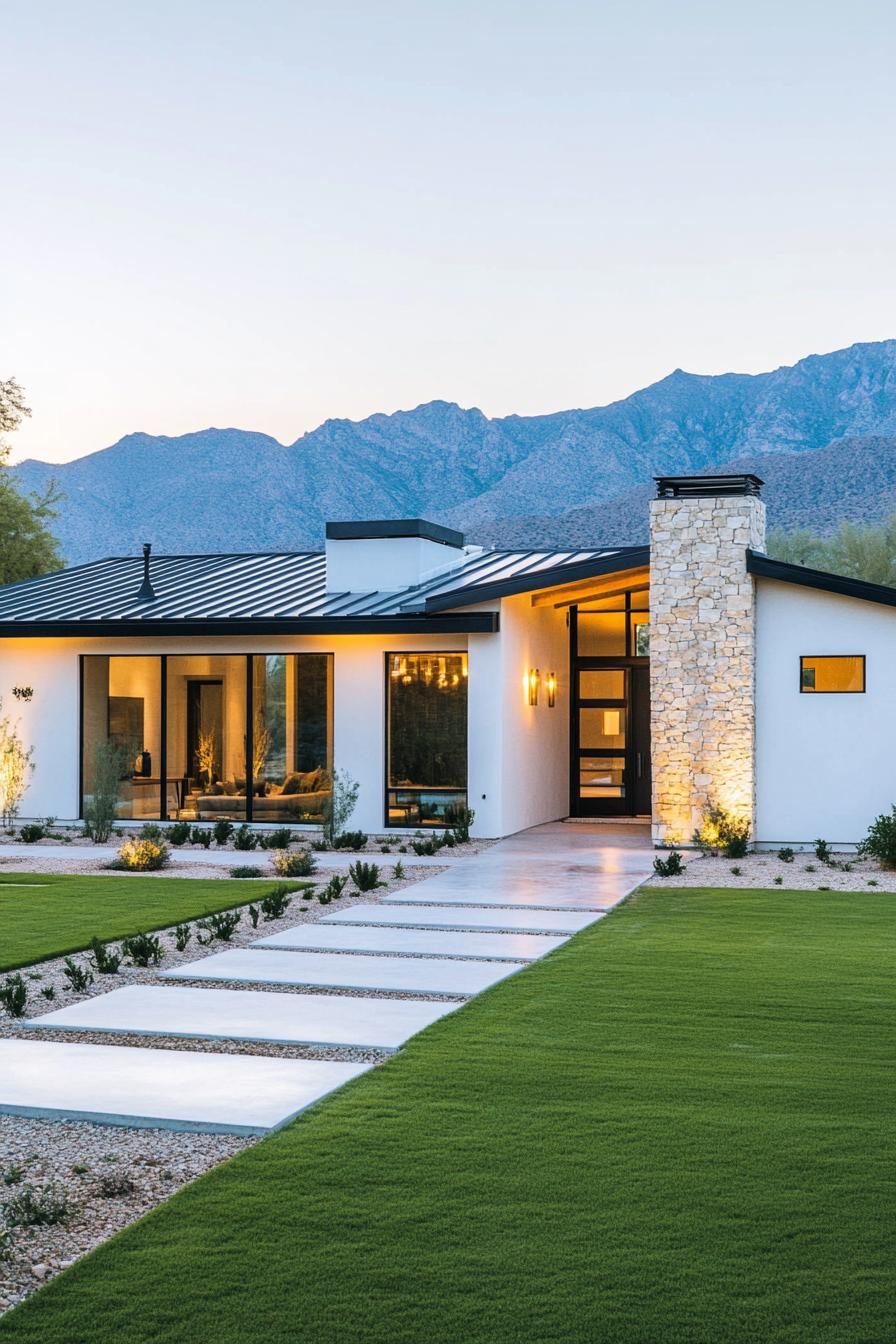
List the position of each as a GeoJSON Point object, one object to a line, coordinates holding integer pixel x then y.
{"type": "Point", "coordinates": [679, 1127]}
{"type": "Point", "coordinates": [47, 915]}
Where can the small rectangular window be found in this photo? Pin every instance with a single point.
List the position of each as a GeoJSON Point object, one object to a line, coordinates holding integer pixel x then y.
{"type": "Point", "coordinates": [840, 674]}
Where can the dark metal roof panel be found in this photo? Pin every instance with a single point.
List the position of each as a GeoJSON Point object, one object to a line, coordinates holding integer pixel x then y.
{"type": "Point", "coordinates": [765, 567]}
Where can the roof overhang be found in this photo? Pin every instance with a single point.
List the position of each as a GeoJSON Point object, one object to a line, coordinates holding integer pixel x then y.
{"type": "Point", "coordinates": [624, 560]}
{"type": "Point", "coordinates": [766, 568]}
{"type": "Point", "coordinates": [474, 622]}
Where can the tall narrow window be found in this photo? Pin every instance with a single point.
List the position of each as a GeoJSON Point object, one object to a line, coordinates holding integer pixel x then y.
{"type": "Point", "coordinates": [427, 737]}
{"type": "Point", "coordinates": [292, 737]}
{"type": "Point", "coordinates": [121, 741]}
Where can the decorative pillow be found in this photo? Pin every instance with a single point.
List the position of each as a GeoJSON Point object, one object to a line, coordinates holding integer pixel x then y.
{"type": "Point", "coordinates": [293, 783]}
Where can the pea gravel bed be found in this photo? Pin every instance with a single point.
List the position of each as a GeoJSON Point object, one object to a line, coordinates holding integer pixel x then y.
{"type": "Point", "coordinates": [805, 872]}
{"type": "Point", "coordinates": [148, 1165]}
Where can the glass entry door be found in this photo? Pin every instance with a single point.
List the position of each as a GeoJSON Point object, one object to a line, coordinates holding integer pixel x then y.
{"type": "Point", "coordinates": [610, 730]}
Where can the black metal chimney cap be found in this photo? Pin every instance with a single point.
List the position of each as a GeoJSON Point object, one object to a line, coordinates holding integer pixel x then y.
{"type": "Point", "coordinates": [147, 592]}
{"type": "Point", "coordinates": [697, 487]}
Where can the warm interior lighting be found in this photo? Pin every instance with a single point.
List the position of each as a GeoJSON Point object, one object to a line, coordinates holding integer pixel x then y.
{"type": "Point", "coordinates": [533, 681]}
{"type": "Point", "coordinates": [550, 682]}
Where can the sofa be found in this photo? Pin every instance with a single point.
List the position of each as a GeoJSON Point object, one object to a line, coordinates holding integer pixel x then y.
{"type": "Point", "coordinates": [302, 796]}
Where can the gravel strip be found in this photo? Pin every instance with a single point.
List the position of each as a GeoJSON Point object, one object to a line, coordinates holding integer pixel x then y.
{"type": "Point", "coordinates": [804, 873]}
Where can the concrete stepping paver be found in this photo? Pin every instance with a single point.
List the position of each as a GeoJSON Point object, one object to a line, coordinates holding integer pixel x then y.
{"type": "Point", "coordinates": [171, 1089]}
{"type": "Point", "coordinates": [532, 895]}
{"type": "Point", "coordinates": [249, 1015]}
{"type": "Point", "coordinates": [467, 944]}
{"type": "Point", "coordinates": [406, 975]}
{"type": "Point", "coordinates": [515, 919]}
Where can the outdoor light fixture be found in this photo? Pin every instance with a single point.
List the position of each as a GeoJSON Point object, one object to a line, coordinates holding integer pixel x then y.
{"type": "Point", "coordinates": [550, 682]}
{"type": "Point", "coordinates": [533, 681]}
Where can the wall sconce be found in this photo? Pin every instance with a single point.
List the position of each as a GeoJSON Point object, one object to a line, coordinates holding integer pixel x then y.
{"type": "Point", "coordinates": [533, 681]}
{"type": "Point", "coordinates": [550, 682]}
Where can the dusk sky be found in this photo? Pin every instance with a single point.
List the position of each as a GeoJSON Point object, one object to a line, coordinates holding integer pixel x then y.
{"type": "Point", "coordinates": [267, 215]}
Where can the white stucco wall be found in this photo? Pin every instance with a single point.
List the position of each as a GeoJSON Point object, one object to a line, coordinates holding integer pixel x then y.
{"type": "Point", "coordinates": [518, 768]}
{"type": "Point", "coordinates": [825, 764]}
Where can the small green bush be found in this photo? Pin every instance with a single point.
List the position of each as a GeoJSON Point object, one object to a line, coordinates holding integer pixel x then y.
{"type": "Point", "coordinates": [349, 840]}
{"type": "Point", "coordinates": [669, 867]}
{"type": "Point", "coordinates": [398, 871]}
{"type": "Point", "coordinates": [141, 856]}
{"type": "Point", "coordinates": [106, 962]}
{"type": "Point", "coordinates": [460, 819]}
{"type": "Point", "coordinates": [115, 1185]}
{"type": "Point", "coordinates": [201, 835]}
{"type": "Point", "coordinates": [142, 949]}
{"type": "Point", "coordinates": [822, 851]}
{"type": "Point", "coordinates": [294, 863]}
{"type": "Point", "coordinates": [14, 995]}
{"type": "Point", "coordinates": [786, 854]}
{"type": "Point", "coordinates": [276, 903]}
{"type": "Point", "coordinates": [366, 876]}
{"type": "Point", "coordinates": [246, 870]}
{"type": "Point", "coordinates": [13, 1175]}
{"type": "Point", "coordinates": [779, 881]}
{"type": "Point", "coordinates": [179, 832]}
{"type": "Point", "coordinates": [31, 832]}
{"type": "Point", "coordinates": [32, 1207]}
{"type": "Point", "coordinates": [254, 913]}
{"type": "Point", "coordinates": [182, 936]}
{"type": "Point", "coordinates": [430, 846]}
{"type": "Point", "coordinates": [244, 838]}
{"type": "Point", "coordinates": [279, 839]}
{"type": "Point", "coordinates": [49, 993]}
{"type": "Point", "coordinates": [720, 831]}
{"type": "Point", "coordinates": [150, 831]}
{"type": "Point", "coordinates": [333, 890]}
{"type": "Point", "coordinates": [221, 926]}
{"type": "Point", "coordinates": [79, 977]}
{"type": "Point", "coordinates": [222, 830]}
{"type": "Point", "coordinates": [880, 842]}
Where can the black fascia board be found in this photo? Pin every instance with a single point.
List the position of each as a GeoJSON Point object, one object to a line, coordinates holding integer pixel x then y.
{"type": "Point", "coordinates": [378, 529]}
{"type": "Point", "coordinates": [629, 557]}
{"type": "Point", "coordinates": [474, 622]}
{"type": "Point", "coordinates": [763, 566]}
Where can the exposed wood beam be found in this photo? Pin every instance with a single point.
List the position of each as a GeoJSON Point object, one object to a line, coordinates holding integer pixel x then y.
{"type": "Point", "coordinates": [634, 580]}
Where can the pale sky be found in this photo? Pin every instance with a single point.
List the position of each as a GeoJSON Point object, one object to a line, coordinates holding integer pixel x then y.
{"type": "Point", "coordinates": [267, 214]}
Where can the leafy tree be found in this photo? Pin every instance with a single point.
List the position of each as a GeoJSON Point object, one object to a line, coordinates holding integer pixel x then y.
{"type": "Point", "coordinates": [859, 552]}
{"type": "Point", "coordinates": [27, 547]}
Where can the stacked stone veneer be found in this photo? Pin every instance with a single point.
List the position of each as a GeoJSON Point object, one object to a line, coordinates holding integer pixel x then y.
{"type": "Point", "coordinates": [702, 658]}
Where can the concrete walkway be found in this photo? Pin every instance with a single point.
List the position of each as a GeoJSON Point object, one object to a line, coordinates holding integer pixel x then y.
{"type": "Point", "coordinates": [556, 878]}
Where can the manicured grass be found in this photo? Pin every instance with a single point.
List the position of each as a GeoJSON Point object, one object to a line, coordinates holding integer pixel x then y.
{"type": "Point", "coordinates": [679, 1127]}
{"type": "Point", "coordinates": [60, 914]}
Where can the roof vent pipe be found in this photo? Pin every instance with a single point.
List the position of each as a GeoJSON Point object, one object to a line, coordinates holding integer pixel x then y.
{"type": "Point", "coordinates": [147, 592]}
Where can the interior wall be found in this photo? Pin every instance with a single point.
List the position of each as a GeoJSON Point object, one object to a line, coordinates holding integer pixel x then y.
{"type": "Point", "coordinates": [824, 762]}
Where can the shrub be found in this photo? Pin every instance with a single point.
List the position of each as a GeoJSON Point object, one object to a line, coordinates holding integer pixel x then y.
{"type": "Point", "coordinates": [15, 766]}
{"type": "Point", "coordinates": [221, 927]}
{"type": "Point", "coordinates": [810, 868]}
{"type": "Point", "coordinates": [333, 890]}
{"type": "Point", "coordinates": [279, 839]}
{"type": "Point", "coordinates": [179, 833]}
{"type": "Point", "coordinates": [246, 870]}
{"type": "Point", "coordinates": [297, 863]}
{"type": "Point", "coordinates": [116, 1184]}
{"type": "Point", "coordinates": [349, 840]}
{"type": "Point", "coordinates": [880, 842]}
{"type": "Point", "coordinates": [32, 1207]}
{"type": "Point", "coordinates": [340, 804]}
{"type": "Point", "coordinates": [182, 936]}
{"type": "Point", "coordinates": [244, 839]}
{"type": "Point", "coordinates": [143, 949]}
{"type": "Point", "coordinates": [254, 912]}
{"type": "Point", "coordinates": [49, 993]}
{"type": "Point", "coordinates": [366, 876]}
{"type": "Point", "coordinates": [13, 1175]}
{"type": "Point", "coordinates": [201, 835]}
{"type": "Point", "coordinates": [106, 962]}
{"type": "Point", "coordinates": [79, 977]}
{"type": "Point", "coordinates": [109, 764]}
{"type": "Point", "coordinates": [779, 881]}
{"type": "Point", "coordinates": [31, 832]}
{"type": "Point", "coordinates": [786, 854]}
{"type": "Point", "coordinates": [222, 830]}
{"type": "Point", "coordinates": [822, 851]}
{"type": "Point", "coordinates": [736, 871]}
{"type": "Point", "coordinates": [430, 846]}
{"type": "Point", "coordinates": [460, 819]}
{"type": "Point", "coordinates": [142, 856]}
{"type": "Point", "coordinates": [150, 831]}
{"type": "Point", "coordinates": [670, 867]}
{"type": "Point", "coordinates": [275, 904]}
{"type": "Point", "coordinates": [721, 831]}
{"type": "Point", "coordinates": [398, 871]}
{"type": "Point", "coordinates": [14, 995]}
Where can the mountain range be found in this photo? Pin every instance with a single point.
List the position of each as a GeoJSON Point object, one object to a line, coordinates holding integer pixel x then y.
{"type": "Point", "coordinates": [821, 432]}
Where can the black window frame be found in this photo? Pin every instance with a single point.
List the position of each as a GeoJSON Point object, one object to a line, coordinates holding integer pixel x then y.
{"type": "Point", "coordinates": [816, 657]}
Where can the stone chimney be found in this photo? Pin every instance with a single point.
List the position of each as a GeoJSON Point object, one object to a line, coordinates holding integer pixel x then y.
{"type": "Point", "coordinates": [702, 648]}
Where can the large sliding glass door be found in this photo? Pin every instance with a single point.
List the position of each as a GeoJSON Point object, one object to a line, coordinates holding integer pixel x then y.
{"type": "Point", "coordinates": [610, 728]}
